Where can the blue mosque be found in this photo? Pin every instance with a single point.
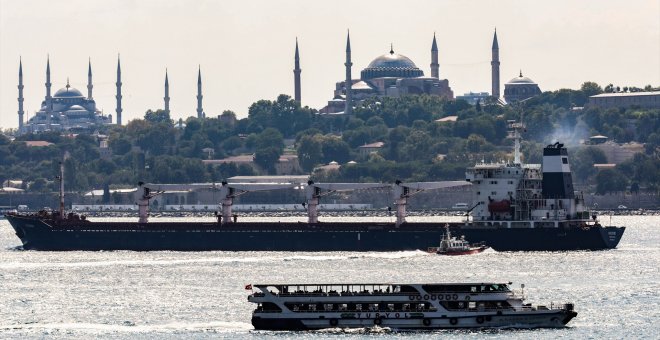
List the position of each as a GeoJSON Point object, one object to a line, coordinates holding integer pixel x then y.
{"type": "Point", "coordinates": [67, 109]}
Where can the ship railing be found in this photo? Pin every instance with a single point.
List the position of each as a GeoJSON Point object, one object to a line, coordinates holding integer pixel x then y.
{"type": "Point", "coordinates": [553, 306]}
{"type": "Point", "coordinates": [480, 309]}
{"type": "Point", "coordinates": [335, 294]}
{"type": "Point", "coordinates": [426, 310]}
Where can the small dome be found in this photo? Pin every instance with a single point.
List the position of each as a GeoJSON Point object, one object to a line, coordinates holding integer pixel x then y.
{"type": "Point", "coordinates": [68, 92]}
{"type": "Point", "coordinates": [521, 80]}
{"type": "Point", "coordinates": [76, 108]}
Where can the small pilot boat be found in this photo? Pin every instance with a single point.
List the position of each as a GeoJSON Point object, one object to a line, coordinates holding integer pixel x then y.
{"type": "Point", "coordinates": [450, 245]}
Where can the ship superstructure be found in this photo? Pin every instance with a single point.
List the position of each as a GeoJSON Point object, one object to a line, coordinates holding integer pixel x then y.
{"type": "Point", "coordinates": [517, 195]}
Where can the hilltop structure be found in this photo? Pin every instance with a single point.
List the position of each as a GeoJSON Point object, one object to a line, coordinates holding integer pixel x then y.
{"type": "Point", "coordinates": [520, 88]}
{"type": "Point", "coordinates": [390, 74]}
{"type": "Point", "coordinates": [67, 110]}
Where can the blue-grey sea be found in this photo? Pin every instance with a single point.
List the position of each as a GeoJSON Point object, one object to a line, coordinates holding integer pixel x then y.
{"type": "Point", "coordinates": [200, 295]}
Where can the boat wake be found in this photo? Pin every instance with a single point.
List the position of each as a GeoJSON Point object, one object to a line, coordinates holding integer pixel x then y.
{"type": "Point", "coordinates": [366, 330]}
{"type": "Point", "coordinates": [209, 260]}
{"type": "Point", "coordinates": [130, 327]}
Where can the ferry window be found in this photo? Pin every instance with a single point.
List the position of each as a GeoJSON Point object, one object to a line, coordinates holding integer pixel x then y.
{"type": "Point", "coordinates": [564, 160]}
{"type": "Point", "coordinates": [473, 289]}
{"type": "Point", "coordinates": [472, 304]}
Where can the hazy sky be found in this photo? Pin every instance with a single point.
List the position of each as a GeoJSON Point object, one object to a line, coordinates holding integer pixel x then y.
{"type": "Point", "coordinates": [246, 48]}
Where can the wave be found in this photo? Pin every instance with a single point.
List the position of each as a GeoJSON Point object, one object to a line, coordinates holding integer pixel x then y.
{"type": "Point", "coordinates": [127, 326]}
{"type": "Point", "coordinates": [174, 262]}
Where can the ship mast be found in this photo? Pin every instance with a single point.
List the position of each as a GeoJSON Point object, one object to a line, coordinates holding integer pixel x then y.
{"type": "Point", "coordinates": [61, 178]}
{"type": "Point", "coordinates": [515, 132]}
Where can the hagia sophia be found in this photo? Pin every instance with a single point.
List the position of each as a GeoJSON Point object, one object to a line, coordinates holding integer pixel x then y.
{"type": "Point", "coordinates": [391, 74]}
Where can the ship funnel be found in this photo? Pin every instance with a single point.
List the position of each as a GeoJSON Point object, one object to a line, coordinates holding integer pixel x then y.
{"type": "Point", "coordinates": [557, 179]}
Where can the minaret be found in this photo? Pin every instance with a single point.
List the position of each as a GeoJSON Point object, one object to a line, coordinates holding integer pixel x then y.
{"type": "Point", "coordinates": [49, 103]}
{"type": "Point", "coordinates": [495, 67]}
{"type": "Point", "coordinates": [89, 81]}
{"type": "Point", "coordinates": [118, 96]}
{"type": "Point", "coordinates": [434, 59]}
{"type": "Point", "coordinates": [167, 94]}
{"type": "Point", "coordinates": [348, 109]}
{"type": "Point", "coordinates": [296, 75]}
{"type": "Point", "coordinates": [20, 94]}
{"type": "Point", "coordinates": [200, 111]}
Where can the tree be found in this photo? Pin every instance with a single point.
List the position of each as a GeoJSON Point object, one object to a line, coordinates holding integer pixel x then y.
{"type": "Point", "coordinates": [269, 138]}
{"type": "Point", "coordinates": [335, 149]}
{"type": "Point", "coordinates": [591, 88]}
{"type": "Point", "coordinates": [309, 152]}
{"type": "Point", "coordinates": [267, 158]}
{"type": "Point", "coordinates": [120, 145]}
{"type": "Point", "coordinates": [610, 180]}
{"type": "Point", "coordinates": [158, 116]}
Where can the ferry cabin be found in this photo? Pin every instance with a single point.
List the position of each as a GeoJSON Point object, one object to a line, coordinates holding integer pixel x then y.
{"type": "Point", "coordinates": [381, 297]}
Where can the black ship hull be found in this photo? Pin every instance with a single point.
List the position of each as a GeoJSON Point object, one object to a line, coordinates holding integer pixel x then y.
{"type": "Point", "coordinates": [44, 234]}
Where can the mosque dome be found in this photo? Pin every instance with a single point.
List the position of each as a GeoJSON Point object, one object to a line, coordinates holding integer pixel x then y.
{"type": "Point", "coordinates": [521, 80]}
{"type": "Point", "coordinates": [77, 108]}
{"type": "Point", "coordinates": [392, 60]}
{"type": "Point", "coordinates": [520, 88]}
{"type": "Point", "coordinates": [391, 65]}
{"type": "Point", "coordinates": [68, 92]}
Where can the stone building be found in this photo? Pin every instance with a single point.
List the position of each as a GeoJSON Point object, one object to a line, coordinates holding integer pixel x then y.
{"type": "Point", "coordinates": [649, 100]}
{"type": "Point", "coordinates": [520, 88]}
{"type": "Point", "coordinates": [66, 110]}
{"type": "Point", "coordinates": [391, 75]}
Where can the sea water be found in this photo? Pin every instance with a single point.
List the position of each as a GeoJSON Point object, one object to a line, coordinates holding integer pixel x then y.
{"type": "Point", "coordinates": [201, 295]}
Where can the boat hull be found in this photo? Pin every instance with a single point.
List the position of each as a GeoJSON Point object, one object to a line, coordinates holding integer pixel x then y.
{"type": "Point", "coordinates": [39, 234]}
{"type": "Point", "coordinates": [470, 251]}
{"type": "Point", "coordinates": [402, 321]}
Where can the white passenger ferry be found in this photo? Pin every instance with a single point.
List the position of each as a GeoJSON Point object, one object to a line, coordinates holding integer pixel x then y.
{"type": "Point", "coordinates": [399, 306]}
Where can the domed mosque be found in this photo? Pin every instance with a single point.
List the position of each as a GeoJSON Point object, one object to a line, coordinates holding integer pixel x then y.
{"type": "Point", "coordinates": [67, 110]}
{"type": "Point", "coordinates": [520, 88]}
{"type": "Point", "coordinates": [391, 75]}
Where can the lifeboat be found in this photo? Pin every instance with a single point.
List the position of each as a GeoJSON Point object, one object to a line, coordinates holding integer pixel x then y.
{"type": "Point", "coordinates": [502, 206]}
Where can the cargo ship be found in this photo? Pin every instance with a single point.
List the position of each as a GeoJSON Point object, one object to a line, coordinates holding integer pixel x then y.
{"type": "Point", "coordinates": [517, 207]}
